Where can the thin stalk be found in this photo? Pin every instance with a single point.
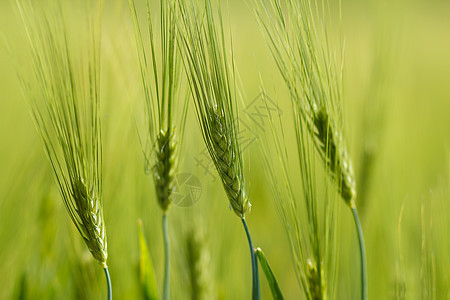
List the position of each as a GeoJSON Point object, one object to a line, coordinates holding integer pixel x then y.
{"type": "Point", "coordinates": [108, 283]}
{"type": "Point", "coordinates": [167, 259]}
{"type": "Point", "coordinates": [363, 255]}
{"type": "Point", "coordinates": [256, 295]}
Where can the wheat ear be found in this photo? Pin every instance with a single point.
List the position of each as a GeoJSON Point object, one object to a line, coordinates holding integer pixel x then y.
{"type": "Point", "coordinates": [297, 34]}
{"type": "Point", "coordinates": [160, 75]}
{"type": "Point", "coordinates": [197, 263]}
{"type": "Point", "coordinates": [335, 155]}
{"type": "Point", "coordinates": [64, 96]}
{"type": "Point", "coordinates": [164, 169]}
{"type": "Point", "coordinates": [211, 81]}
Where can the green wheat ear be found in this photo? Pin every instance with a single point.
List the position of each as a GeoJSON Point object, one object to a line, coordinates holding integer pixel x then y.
{"type": "Point", "coordinates": [64, 96]}
{"type": "Point", "coordinates": [65, 100]}
{"type": "Point", "coordinates": [211, 80]}
{"type": "Point", "coordinates": [91, 224]}
{"type": "Point", "coordinates": [297, 33]}
{"type": "Point", "coordinates": [165, 110]}
{"type": "Point", "coordinates": [197, 263]}
{"type": "Point", "coordinates": [164, 169]}
{"type": "Point", "coordinates": [227, 165]}
{"type": "Point", "coordinates": [212, 83]}
{"type": "Point", "coordinates": [298, 38]}
{"type": "Point", "coordinates": [335, 155]}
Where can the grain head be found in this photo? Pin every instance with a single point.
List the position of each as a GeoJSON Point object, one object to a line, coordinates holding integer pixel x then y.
{"type": "Point", "coordinates": [164, 169]}
{"type": "Point", "coordinates": [197, 263]}
{"type": "Point", "coordinates": [329, 142]}
{"type": "Point", "coordinates": [91, 221]}
{"type": "Point", "coordinates": [64, 97]}
{"type": "Point", "coordinates": [211, 80]}
{"type": "Point", "coordinates": [298, 35]}
{"type": "Point", "coordinates": [166, 109]}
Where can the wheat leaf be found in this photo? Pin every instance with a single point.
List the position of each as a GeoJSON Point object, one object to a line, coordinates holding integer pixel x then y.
{"type": "Point", "coordinates": [273, 284]}
{"type": "Point", "coordinates": [146, 271]}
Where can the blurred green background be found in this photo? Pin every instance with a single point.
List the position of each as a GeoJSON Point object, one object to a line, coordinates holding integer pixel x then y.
{"type": "Point", "coordinates": [397, 119]}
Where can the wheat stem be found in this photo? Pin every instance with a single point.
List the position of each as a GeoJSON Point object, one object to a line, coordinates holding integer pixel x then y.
{"type": "Point", "coordinates": [167, 259]}
{"type": "Point", "coordinates": [255, 284]}
{"type": "Point", "coordinates": [362, 253]}
{"type": "Point", "coordinates": [108, 283]}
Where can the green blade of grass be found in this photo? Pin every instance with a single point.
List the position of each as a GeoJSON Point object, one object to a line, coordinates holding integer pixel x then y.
{"type": "Point", "coordinates": [147, 274]}
{"type": "Point", "coordinates": [273, 284]}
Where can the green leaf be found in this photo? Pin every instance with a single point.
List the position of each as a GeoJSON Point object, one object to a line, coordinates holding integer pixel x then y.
{"type": "Point", "coordinates": [146, 272]}
{"type": "Point", "coordinates": [273, 284]}
{"type": "Point", "coordinates": [22, 289]}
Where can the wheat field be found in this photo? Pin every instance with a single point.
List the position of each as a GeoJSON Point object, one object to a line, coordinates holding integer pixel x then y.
{"type": "Point", "coordinates": [392, 64]}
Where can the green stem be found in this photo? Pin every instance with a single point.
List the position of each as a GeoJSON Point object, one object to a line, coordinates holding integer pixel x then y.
{"type": "Point", "coordinates": [167, 258]}
{"type": "Point", "coordinates": [108, 283]}
{"type": "Point", "coordinates": [363, 255]}
{"type": "Point", "coordinates": [255, 283]}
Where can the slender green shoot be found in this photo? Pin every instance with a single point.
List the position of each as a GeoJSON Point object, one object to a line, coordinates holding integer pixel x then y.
{"type": "Point", "coordinates": [362, 251]}
{"type": "Point", "coordinates": [108, 283]}
{"type": "Point", "coordinates": [166, 260]}
{"type": "Point", "coordinates": [255, 284]}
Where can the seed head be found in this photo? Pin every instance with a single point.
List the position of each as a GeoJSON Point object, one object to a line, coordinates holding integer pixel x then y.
{"type": "Point", "coordinates": [211, 82]}
{"type": "Point", "coordinates": [197, 258]}
{"type": "Point", "coordinates": [227, 164]}
{"type": "Point", "coordinates": [64, 96]}
{"type": "Point", "coordinates": [164, 169]}
{"type": "Point", "coordinates": [90, 221]}
{"type": "Point", "coordinates": [165, 109]}
{"type": "Point", "coordinates": [330, 142]}
{"type": "Point", "coordinates": [298, 38]}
